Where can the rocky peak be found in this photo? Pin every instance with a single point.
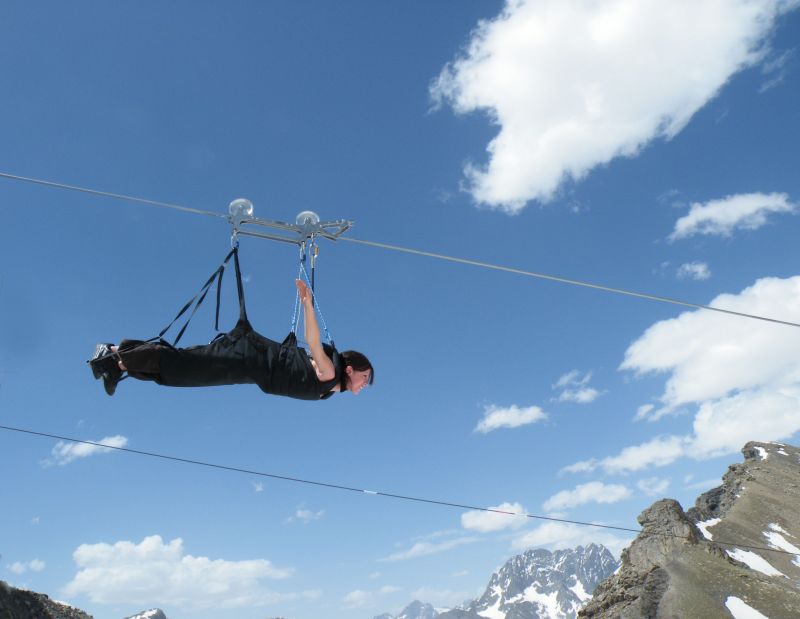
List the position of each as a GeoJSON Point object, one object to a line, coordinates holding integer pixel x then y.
{"type": "Point", "coordinates": [693, 565]}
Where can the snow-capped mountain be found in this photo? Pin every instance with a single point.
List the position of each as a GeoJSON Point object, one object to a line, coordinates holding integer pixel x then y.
{"type": "Point", "coordinates": [537, 584]}
{"type": "Point", "coordinates": [540, 584]}
{"type": "Point", "coordinates": [155, 613]}
{"type": "Point", "coordinates": [415, 610]}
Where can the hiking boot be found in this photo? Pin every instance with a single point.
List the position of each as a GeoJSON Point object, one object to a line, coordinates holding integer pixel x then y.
{"type": "Point", "coordinates": [111, 377]}
{"type": "Point", "coordinates": [102, 360]}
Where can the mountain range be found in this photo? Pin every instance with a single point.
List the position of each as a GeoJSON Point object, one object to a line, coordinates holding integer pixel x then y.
{"type": "Point", "coordinates": [537, 584]}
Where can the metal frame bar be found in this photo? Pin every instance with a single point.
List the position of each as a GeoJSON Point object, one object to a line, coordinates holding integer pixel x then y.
{"type": "Point", "coordinates": [330, 230]}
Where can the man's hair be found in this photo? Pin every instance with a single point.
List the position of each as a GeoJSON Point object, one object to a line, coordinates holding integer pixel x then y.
{"type": "Point", "coordinates": [359, 363]}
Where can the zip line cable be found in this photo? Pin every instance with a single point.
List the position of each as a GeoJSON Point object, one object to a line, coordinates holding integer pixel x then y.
{"type": "Point", "coordinates": [418, 252]}
{"type": "Point", "coordinates": [564, 280]}
{"type": "Point", "coordinates": [108, 194]}
{"type": "Point", "coordinates": [389, 495]}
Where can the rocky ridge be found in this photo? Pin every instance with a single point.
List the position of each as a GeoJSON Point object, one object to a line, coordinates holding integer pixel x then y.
{"type": "Point", "coordinates": [703, 563]}
{"type": "Point", "coordinates": [23, 604]}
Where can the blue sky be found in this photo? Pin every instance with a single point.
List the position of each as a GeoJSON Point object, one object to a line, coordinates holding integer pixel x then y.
{"type": "Point", "coordinates": [633, 144]}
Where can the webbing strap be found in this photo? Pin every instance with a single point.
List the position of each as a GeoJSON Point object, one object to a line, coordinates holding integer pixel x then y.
{"type": "Point", "coordinates": [198, 299]}
{"type": "Point", "coordinates": [239, 287]}
{"type": "Point", "coordinates": [316, 305]}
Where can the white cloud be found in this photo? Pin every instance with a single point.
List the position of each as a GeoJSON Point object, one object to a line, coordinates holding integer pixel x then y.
{"type": "Point", "coordinates": [424, 549]}
{"type": "Point", "coordinates": [584, 466]}
{"type": "Point", "coordinates": [361, 599]}
{"type": "Point", "coordinates": [306, 515]}
{"type": "Point", "coordinates": [659, 451]}
{"type": "Point", "coordinates": [697, 271]}
{"type": "Point", "coordinates": [486, 522]}
{"type": "Point", "coordinates": [575, 388]}
{"type": "Point", "coordinates": [573, 84]}
{"type": "Point", "coordinates": [742, 377]}
{"type": "Point", "coordinates": [358, 599]}
{"type": "Point", "coordinates": [126, 573]}
{"type": "Point", "coordinates": [653, 486]}
{"type": "Point", "coordinates": [495, 417]}
{"type": "Point", "coordinates": [560, 535]}
{"type": "Point", "coordinates": [643, 411]}
{"type": "Point", "coordinates": [65, 452]}
{"type": "Point", "coordinates": [34, 565]}
{"type": "Point", "coordinates": [775, 71]}
{"type": "Point", "coordinates": [586, 395]}
{"type": "Point", "coordinates": [722, 217]}
{"type": "Point", "coordinates": [258, 486]}
{"type": "Point", "coordinates": [592, 492]}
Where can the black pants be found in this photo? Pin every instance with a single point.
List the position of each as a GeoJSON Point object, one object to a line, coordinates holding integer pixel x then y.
{"type": "Point", "coordinates": [238, 357]}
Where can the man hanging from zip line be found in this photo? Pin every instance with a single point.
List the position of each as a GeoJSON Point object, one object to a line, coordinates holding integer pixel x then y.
{"type": "Point", "coordinates": [241, 356]}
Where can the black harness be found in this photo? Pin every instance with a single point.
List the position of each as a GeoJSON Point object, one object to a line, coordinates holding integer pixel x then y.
{"type": "Point", "coordinates": [240, 356]}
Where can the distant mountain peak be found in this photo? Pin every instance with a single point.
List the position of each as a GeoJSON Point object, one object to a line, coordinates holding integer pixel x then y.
{"type": "Point", "coordinates": [537, 584]}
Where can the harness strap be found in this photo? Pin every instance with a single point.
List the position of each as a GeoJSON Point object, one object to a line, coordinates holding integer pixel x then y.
{"type": "Point", "coordinates": [198, 299]}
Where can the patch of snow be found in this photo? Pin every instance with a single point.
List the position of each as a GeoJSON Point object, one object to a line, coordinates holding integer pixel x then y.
{"type": "Point", "coordinates": [762, 452]}
{"type": "Point", "coordinates": [741, 610]}
{"type": "Point", "coordinates": [776, 527]}
{"type": "Point", "coordinates": [776, 540]}
{"type": "Point", "coordinates": [782, 452]}
{"type": "Point", "coordinates": [550, 602]}
{"type": "Point", "coordinates": [580, 591]}
{"type": "Point", "coordinates": [706, 525]}
{"type": "Point", "coordinates": [754, 562]}
{"type": "Point", "coordinates": [494, 612]}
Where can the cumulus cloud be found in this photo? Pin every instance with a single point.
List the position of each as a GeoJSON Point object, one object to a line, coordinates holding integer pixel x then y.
{"type": "Point", "coordinates": [592, 492]}
{"type": "Point", "coordinates": [572, 84]}
{"type": "Point", "coordinates": [584, 466]}
{"type": "Point", "coordinates": [697, 271]}
{"type": "Point", "coordinates": [560, 535]}
{"type": "Point", "coordinates": [653, 486]}
{"type": "Point", "coordinates": [740, 376]}
{"type": "Point", "coordinates": [65, 452]}
{"type": "Point", "coordinates": [495, 417]}
{"type": "Point", "coordinates": [486, 522]}
{"type": "Point", "coordinates": [722, 217]}
{"type": "Point", "coordinates": [34, 565]}
{"type": "Point", "coordinates": [575, 388]}
{"type": "Point", "coordinates": [424, 549]}
{"type": "Point", "coordinates": [709, 356]}
{"type": "Point", "coordinates": [127, 572]}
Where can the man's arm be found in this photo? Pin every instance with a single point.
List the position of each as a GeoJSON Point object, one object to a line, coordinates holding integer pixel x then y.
{"type": "Point", "coordinates": [322, 363]}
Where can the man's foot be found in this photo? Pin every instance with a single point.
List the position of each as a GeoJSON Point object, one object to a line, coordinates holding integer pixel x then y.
{"type": "Point", "coordinates": [110, 380]}
{"type": "Point", "coordinates": [101, 360]}
{"type": "Point", "coordinates": [104, 364]}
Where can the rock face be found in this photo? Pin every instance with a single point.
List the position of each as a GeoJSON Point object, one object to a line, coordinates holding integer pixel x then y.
{"type": "Point", "coordinates": [693, 565]}
{"type": "Point", "coordinates": [21, 604]}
